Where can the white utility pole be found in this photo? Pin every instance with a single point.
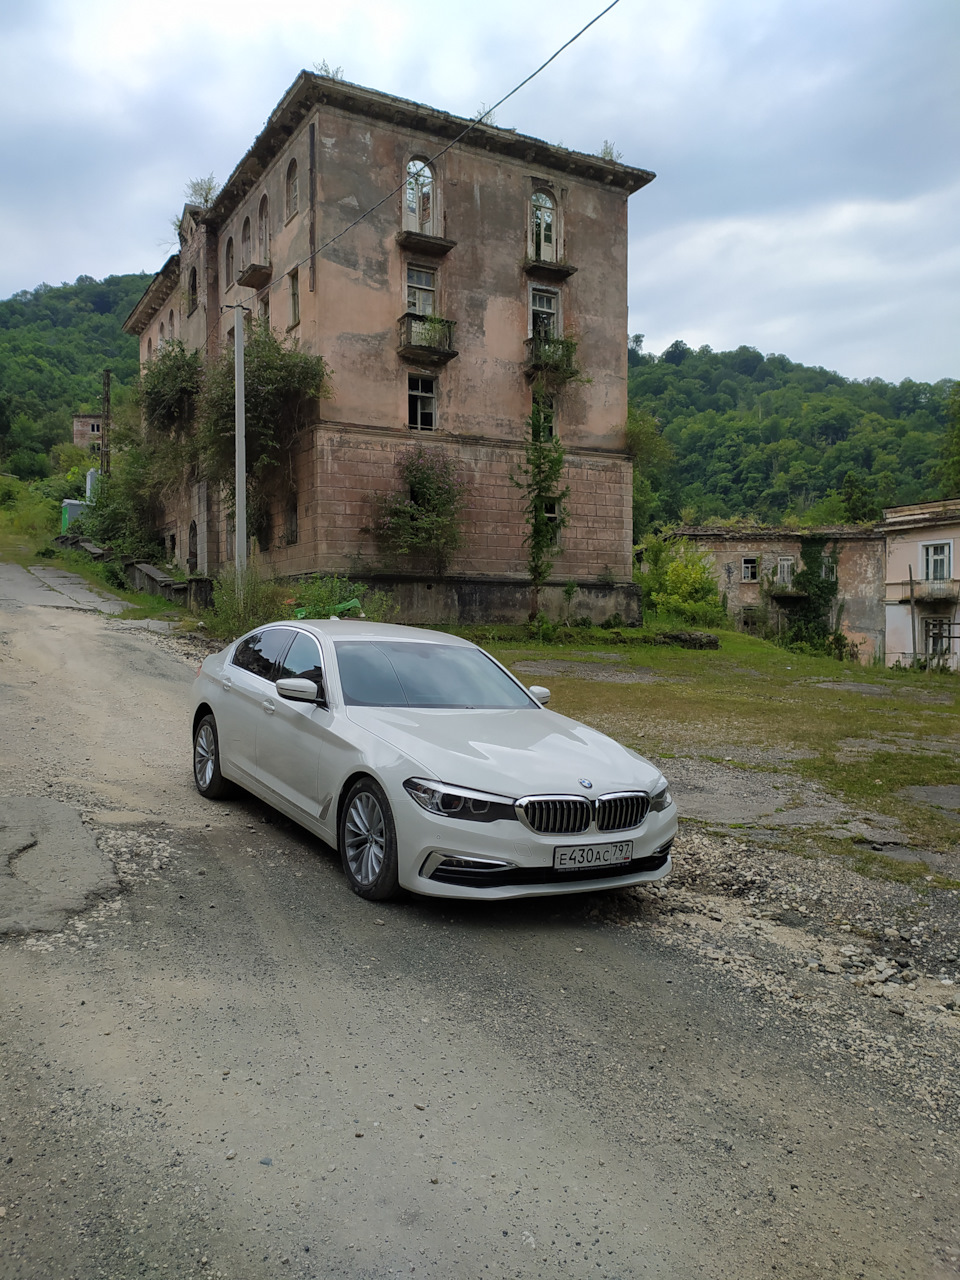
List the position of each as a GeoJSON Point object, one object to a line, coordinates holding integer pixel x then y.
{"type": "Point", "coordinates": [240, 470]}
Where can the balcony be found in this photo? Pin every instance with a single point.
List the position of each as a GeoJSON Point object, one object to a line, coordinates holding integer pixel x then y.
{"type": "Point", "coordinates": [554, 357]}
{"type": "Point", "coordinates": [255, 275]}
{"type": "Point", "coordinates": [785, 591]}
{"type": "Point", "coordinates": [420, 242]}
{"type": "Point", "coordinates": [926, 591]}
{"type": "Point", "coordinates": [551, 272]}
{"type": "Point", "coordinates": [426, 339]}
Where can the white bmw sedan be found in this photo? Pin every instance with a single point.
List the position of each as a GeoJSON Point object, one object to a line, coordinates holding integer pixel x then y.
{"type": "Point", "coordinates": [426, 764]}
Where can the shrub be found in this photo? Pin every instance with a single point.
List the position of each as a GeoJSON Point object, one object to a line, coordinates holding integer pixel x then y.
{"type": "Point", "coordinates": [245, 601]}
{"type": "Point", "coordinates": [424, 518]}
{"type": "Point", "coordinates": [323, 596]}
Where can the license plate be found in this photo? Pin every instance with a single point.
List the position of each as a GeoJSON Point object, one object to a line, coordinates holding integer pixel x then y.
{"type": "Point", "coordinates": [581, 857]}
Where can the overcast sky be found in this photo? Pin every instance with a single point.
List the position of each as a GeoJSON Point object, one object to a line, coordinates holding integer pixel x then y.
{"type": "Point", "coordinates": [807, 152]}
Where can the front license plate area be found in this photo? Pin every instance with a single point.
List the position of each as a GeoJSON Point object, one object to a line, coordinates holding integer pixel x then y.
{"type": "Point", "coordinates": [581, 857]}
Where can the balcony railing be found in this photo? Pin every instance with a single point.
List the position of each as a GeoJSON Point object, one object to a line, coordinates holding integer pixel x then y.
{"type": "Point", "coordinates": [426, 338]}
{"type": "Point", "coordinates": [554, 356]}
{"type": "Point", "coordinates": [927, 590]}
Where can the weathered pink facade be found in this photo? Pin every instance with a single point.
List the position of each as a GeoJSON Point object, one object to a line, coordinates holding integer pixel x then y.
{"type": "Point", "coordinates": [86, 432]}
{"type": "Point", "coordinates": [286, 239]}
{"type": "Point", "coordinates": [923, 615]}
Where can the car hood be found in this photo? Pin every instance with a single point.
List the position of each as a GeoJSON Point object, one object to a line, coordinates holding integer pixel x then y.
{"type": "Point", "coordinates": [512, 752]}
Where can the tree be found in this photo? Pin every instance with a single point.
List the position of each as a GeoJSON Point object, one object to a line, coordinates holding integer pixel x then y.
{"type": "Point", "coordinates": [544, 502]}
{"type": "Point", "coordinates": [859, 499]}
{"type": "Point", "coordinates": [951, 446]}
{"type": "Point", "coordinates": [425, 517]}
{"type": "Point", "coordinates": [202, 191]}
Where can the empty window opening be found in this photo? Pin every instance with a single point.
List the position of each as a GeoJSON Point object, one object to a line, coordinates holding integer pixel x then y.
{"type": "Point", "coordinates": [263, 308]}
{"type": "Point", "coordinates": [163, 332]}
{"type": "Point", "coordinates": [421, 403]}
{"type": "Point", "coordinates": [544, 314]}
{"type": "Point", "coordinates": [149, 348]}
{"type": "Point", "coordinates": [170, 325]}
{"type": "Point", "coordinates": [828, 569]}
{"type": "Point", "coordinates": [294, 278]}
{"type": "Point", "coordinates": [192, 291]}
{"type": "Point", "coordinates": [936, 561]}
{"type": "Point", "coordinates": [246, 247]}
{"type": "Point", "coordinates": [750, 569]}
{"type": "Point", "coordinates": [418, 207]}
{"type": "Point", "coordinates": [94, 427]}
{"type": "Point", "coordinates": [936, 632]}
{"type": "Point", "coordinates": [291, 531]}
{"type": "Point", "coordinates": [421, 291]}
{"type": "Point", "coordinates": [228, 267]}
{"type": "Point", "coordinates": [292, 189]}
{"type": "Point", "coordinates": [544, 227]}
{"type": "Point", "coordinates": [551, 516]}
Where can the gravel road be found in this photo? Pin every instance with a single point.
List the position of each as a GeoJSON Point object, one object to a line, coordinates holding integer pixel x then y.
{"type": "Point", "coordinates": [224, 1064]}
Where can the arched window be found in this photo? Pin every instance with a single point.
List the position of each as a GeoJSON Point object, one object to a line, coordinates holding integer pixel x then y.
{"type": "Point", "coordinates": [263, 232]}
{"type": "Point", "coordinates": [149, 348]}
{"type": "Point", "coordinates": [419, 203]}
{"type": "Point", "coordinates": [245, 246]}
{"type": "Point", "coordinates": [228, 262]}
{"type": "Point", "coordinates": [163, 332]}
{"type": "Point", "coordinates": [170, 325]}
{"type": "Point", "coordinates": [292, 189]}
{"type": "Point", "coordinates": [192, 291]}
{"type": "Point", "coordinates": [544, 227]}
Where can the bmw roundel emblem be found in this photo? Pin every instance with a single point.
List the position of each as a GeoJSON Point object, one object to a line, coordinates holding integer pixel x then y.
{"type": "Point", "coordinates": [585, 782]}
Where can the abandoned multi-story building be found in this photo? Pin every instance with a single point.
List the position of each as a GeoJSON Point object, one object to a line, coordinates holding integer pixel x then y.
{"type": "Point", "coordinates": [478, 262]}
{"type": "Point", "coordinates": [86, 432]}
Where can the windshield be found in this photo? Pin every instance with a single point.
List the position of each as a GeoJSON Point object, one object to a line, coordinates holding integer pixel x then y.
{"type": "Point", "coordinates": [403, 673]}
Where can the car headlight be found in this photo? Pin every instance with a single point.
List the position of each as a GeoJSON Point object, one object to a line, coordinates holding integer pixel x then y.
{"type": "Point", "coordinates": [661, 799]}
{"type": "Point", "coordinates": [459, 802]}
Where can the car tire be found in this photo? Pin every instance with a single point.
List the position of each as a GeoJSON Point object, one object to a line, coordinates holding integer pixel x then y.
{"type": "Point", "coordinates": [368, 842]}
{"type": "Point", "coordinates": [211, 783]}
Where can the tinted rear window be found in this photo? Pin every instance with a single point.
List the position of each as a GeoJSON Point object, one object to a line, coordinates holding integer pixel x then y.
{"type": "Point", "coordinates": [403, 673]}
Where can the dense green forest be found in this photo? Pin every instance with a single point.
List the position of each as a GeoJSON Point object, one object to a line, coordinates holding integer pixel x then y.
{"type": "Point", "coordinates": [55, 343]}
{"type": "Point", "coordinates": [722, 434]}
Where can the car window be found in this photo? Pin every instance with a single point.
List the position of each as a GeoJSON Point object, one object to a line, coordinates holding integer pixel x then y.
{"type": "Point", "coordinates": [258, 654]}
{"type": "Point", "coordinates": [303, 660]}
{"type": "Point", "coordinates": [403, 673]}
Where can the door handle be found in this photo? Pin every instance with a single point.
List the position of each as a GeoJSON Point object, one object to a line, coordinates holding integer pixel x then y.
{"type": "Point", "coordinates": [268, 707]}
{"type": "Point", "coordinates": [227, 684]}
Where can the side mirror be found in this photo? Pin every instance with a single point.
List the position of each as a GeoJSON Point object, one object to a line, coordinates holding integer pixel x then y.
{"type": "Point", "coordinates": [296, 689]}
{"type": "Point", "coordinates": [540, 693]}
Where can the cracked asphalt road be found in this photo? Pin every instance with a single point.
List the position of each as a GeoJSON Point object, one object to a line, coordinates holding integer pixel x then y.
{"type": "Point", "coordinates": [231, 1066]}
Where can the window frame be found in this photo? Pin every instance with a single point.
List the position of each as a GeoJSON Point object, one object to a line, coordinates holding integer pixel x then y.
{"type": "Point", "coordinates": [293, 278]}
{"type": "Point", "coordinates": [788, 562]}
{"type": "Point", "coordinates": [420, 397]}
{"type": "Point", "coordinates": [193, 297]}
{"type": "Point", "coordinates": [263, 231]}
{"type": "Point", "coordinates": [747, 563]}
{"type": "Point", "coordinates": [547, 292]}
{"type": "Point", "coordinates": [930, 556]}
{"type": "Point", "coordinates": [544, 194]}
{"type": "Point", "coordinates": [422, 289]}
{"type": "Point", "coordinates": [229, 263]}
{"type": "Point", "coordinates": [246, 242]}
{"type": "Point", "coordinates": [291, 190]}
{"type": "Point", "coordinates": [412, 219]}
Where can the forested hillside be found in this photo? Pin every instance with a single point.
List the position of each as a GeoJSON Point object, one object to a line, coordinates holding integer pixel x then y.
{"type": "Point", "coordinates": [54, 345]}
{"type": "Point", "coordinates": [740, 434]}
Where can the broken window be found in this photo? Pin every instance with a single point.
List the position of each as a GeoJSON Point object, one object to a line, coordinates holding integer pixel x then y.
{"type": "Point", "coordinates": [551, 516]}
{"type": "Point", "coordinates": [544, 227]}
{"type": "Point", "coordinates": [421, 291]}
{"type": "Point", "coordinates": [421, 403]}
{"type": "Point", "coordinates": [936, 633]}
{"type": "Point", "coordinates": [544, 313]}
{"type": "Point", "coordinates": [418, 202]}
{"type": "Point", "coordinates": [828, 569]}
{"type": "Point", "coordinates": [192, 291]}
{"type": "Point", "coordinates": [263, 308]}
{"type": "Point", "coordinates": [228, 267]}
{"type": "Point", "coordinates": [245, 244]}
{"type": "Point", "coordinates": [785, 570]}
{"type": "Point", "coordinates": [936, 561]}
{"type": "Point", "coordinates": [750, 570]}
{"type": "Point", "coordinates": [292, 190]}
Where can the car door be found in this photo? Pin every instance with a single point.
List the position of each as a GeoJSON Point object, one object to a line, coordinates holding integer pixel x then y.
{"type": "Point", "coordinates": [247, 682]}
{"type": "Point", "coordinates": [292, 736]}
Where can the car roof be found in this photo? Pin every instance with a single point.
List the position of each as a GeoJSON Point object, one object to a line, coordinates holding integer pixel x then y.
{"type": "Point", "coordinates": [360, 629]}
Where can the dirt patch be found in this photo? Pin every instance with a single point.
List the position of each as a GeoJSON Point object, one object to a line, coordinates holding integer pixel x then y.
{"type": "Point", "coordinates": [884, 691]}
{"type": "Point", "coordinates": [588, 671]}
